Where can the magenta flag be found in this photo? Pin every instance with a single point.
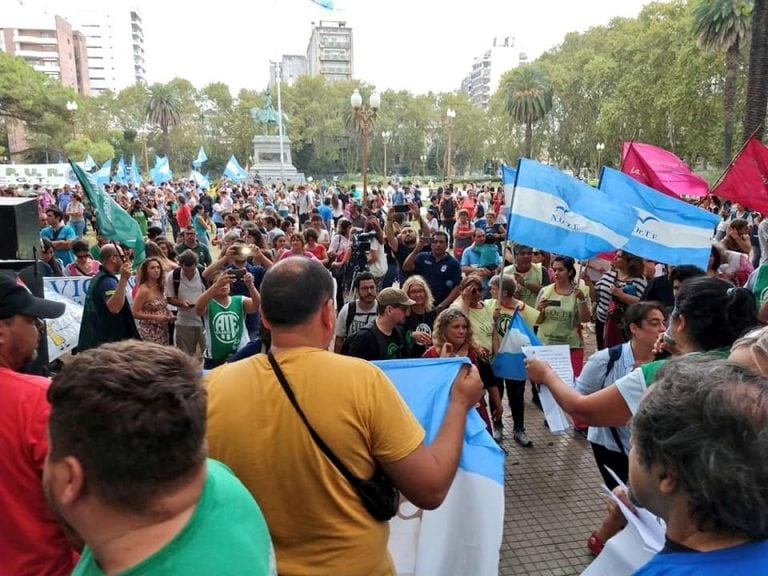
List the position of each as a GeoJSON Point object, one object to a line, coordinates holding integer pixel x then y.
{"type": "Point", "coordinates": [661, 170]}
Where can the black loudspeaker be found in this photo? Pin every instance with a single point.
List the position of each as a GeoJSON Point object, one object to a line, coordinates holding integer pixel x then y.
{"type": "Point", "coordinates": [31, 274]}
{"type": "Point", "coordinates": [20, 229]}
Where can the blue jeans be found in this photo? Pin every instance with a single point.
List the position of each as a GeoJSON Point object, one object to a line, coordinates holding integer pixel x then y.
{"type": "Point", "coordinates": [79, 226]}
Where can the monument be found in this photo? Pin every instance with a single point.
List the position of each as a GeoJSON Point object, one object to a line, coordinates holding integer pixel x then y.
{"type": "Point", "coordinates": [266, 150]}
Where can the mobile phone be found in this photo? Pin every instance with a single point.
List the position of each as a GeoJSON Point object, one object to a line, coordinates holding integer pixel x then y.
{"type": "Point", "coordinates": [238, 273]}
{"type": "Point", "coordinates": [401, 208]}
{"type": "Point", "coordinates": [554, 303]}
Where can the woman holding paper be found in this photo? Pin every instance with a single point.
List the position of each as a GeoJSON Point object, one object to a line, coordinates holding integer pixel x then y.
{"type": "Point", "coordinates": [709, 315]}
{"type": "Point", "coordinates": [562, 307]}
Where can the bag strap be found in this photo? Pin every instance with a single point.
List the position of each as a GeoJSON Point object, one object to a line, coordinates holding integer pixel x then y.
{"type": "Point", "coordinates": [355, 482]}
{"type": "Point", "coordinates": [614, 353]}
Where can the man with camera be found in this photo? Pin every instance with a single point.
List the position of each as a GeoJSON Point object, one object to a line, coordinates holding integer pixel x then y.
{"type": "Point", "coordinates": [481, 259]}
{"type": "Point", "coordinates": [317, 520]}
{"type": "Point", "coordinates": [441, 270]}
{"type": "Point", "coordinates": [234, 260]}
{"type": "Point", "coordinates": [401, 244]}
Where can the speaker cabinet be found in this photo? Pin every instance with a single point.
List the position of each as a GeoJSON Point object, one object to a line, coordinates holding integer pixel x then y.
{"type": "Point", "coordinates": [19, 228]}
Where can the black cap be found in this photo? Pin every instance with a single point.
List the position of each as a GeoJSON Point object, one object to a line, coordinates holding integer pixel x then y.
{"type": "Point", "coordinates": [15, 298]}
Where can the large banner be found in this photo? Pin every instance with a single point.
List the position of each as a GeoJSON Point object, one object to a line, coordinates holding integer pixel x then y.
{"type": "Point", "coordinates": [63, 332]}
{"type": "Point", "coordinates": [46, 174]}
{"type": "Point", "coordinates": [76, 287]}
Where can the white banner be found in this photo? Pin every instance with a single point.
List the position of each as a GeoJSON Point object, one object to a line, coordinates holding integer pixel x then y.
{"type": "Point", "coordinates": [47, 174]}
{"type": "Point", "coordinates": [76, 287]}
{"type": "Point", "coordinates": [63, 332]}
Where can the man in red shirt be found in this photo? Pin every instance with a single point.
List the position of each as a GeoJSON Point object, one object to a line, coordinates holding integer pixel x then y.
{"type": "Point", "coordinates": [183, 213]}
{"type": "Point", "coordinates": [31, 542]}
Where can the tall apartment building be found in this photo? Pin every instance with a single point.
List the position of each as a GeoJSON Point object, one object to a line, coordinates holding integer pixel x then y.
{"type": "Point", "coordinates": [114, 37]}
{"type": "Point", "coordinates": [488, 68]}
{"type": "Point", "coordinates": [292, 66]}
{"type": "Point", "coordinates": [49, 45]}
{"type": "Point", "coordinates": [330, 51]}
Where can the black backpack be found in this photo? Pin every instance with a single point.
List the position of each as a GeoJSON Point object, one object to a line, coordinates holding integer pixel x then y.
{"type": "Point", "coordinates": [614, 353]}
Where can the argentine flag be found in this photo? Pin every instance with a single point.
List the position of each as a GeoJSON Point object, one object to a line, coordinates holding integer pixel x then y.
{"type": "Point", "coordinates": [508, 177]}
{"type": "Point", "coordinates": [509, 361]}
{"type": "Point", "coordinates": [162, 171]}
{"type": "Point", "coordinates": [201, 157]}
{"type": "Point", "coordinates": [462, 536]}
{"type": "Point", "coordinates": [560, 214]}
{"type": "Point", "coordinates": [102, 175]}
{"type": "Point", "coordinates": [135, 174]}
{"type": "Point", "coordinates": [667, 230]}
{"type": "Point", "coordinates": [234, 171]}
{"type": "Point", "coordinates": [199, 179]}
{"type": "Point", "coordinates": [89, 162]}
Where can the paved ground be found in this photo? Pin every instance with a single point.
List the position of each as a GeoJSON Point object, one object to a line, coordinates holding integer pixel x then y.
{"type": "Point", "coordinates": [553, 498]}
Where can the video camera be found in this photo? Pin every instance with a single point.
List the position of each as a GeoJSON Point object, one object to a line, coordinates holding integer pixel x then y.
{"type": "Point", "coordinates": [361, 245]}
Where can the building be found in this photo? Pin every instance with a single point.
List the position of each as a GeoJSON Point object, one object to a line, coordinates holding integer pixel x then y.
{"type": "Point", "coordinates": [115, 43]}
{"type": "Point", "coordinates": [330, 51]}
{"type": "Point", "coordinates": [292, 66]}
{"type": "Point", "coordinates": [488, 69]}
{"type": "Point", "coordinates": [48, 44]}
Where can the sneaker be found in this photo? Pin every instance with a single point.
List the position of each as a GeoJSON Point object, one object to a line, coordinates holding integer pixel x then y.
{"type": "Point", "coordinates": [498, 430]}
{"type": "Point", "coordinates": [522, 438]}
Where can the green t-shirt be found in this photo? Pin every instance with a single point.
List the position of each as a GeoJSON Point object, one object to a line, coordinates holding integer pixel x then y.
{"type": "Point", "coordinates": [535, 275]}
{"type": "Point", "coordinates": [141, 218]}
{"type": "Point", "coordinates": [226, 536]}
{"type": "Point", "coordinates": [225, 328]}
{"type": "Point", "coordinates": [560, 323]}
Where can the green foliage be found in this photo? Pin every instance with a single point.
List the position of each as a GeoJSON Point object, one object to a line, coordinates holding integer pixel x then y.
{"type": "Point", "coordinates": [100, 151]}
{"type": "Point", "coordinates": [164, 108]}
{"type": "Point", "coordinates": [528, 98]}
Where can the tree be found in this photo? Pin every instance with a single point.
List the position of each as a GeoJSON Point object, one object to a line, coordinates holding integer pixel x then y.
{"type": "Point", "coordinates": [723, 25]}
{"type": "Point", "coordinates": [757, 87]}
{"type": "Point", "coordinates": [164, 109]}
{"type": "Point", "coordinates": [528, 99]}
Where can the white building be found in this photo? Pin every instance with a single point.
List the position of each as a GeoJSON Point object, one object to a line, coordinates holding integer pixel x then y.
{"type": "Point", "coordinates": [114, 39]}
{"type": "Point", "coordinates": [330, 51]}
{"type": "Point", "coordinates": [488, 69]}
{"type": "Point", "coordinates": [292, 67]}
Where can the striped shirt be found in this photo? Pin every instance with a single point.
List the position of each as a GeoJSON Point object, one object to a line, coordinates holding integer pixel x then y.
{"type": "Point", "coordinates": [604, 286]}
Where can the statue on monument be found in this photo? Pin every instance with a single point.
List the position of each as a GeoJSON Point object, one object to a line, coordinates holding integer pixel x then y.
{"type": "Point", "coordinates": [267, 115]}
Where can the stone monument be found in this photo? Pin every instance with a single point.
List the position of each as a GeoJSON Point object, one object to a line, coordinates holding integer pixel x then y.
{"type": "Point", "coordinates": [266, 149]}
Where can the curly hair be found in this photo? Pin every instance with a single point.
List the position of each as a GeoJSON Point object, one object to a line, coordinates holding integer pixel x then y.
{"type": "Point", "coordinates": [442, 322]}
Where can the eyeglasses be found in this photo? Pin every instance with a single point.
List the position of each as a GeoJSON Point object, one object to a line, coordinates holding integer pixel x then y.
{"type": "Point", "coordinates": [536, 253]}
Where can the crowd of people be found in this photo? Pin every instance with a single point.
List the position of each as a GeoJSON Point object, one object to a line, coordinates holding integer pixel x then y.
{"type": "Point", "coordinates": [128, 459]}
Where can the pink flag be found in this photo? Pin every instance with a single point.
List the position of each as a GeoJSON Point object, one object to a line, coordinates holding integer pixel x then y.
{"type": "Point", "coordinates": [746, 180]}
{"type": "Point", "coordinates": [661, 170]}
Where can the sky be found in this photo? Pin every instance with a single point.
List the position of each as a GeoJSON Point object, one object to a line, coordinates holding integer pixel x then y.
{"type": "Point", "coordinates": [415, 45]}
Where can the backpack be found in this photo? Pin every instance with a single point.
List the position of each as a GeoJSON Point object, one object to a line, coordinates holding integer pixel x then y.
{"type": "Point", "coordinates": [351, 312]}
{"type": "Point", "coordinates": [448, 205]}
{"type": "Point", "coordinates": [614, 353]}
{"type": "Point", "coordinates": [381, 341]}
{"type": "Point", "coordinates": [176, 277]}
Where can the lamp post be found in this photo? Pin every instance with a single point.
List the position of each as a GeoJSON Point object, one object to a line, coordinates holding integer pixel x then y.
{"type": "Point", "coordinates": [72, 108]}
{"type": "Point", "coordinates": [278, 81]}
{"type": "Point", "coordinates": [599, 147]}
{"type": "Point", "coordinates": [450, 114]}
{"type": "Point", "coordinates": [423, 159]}
{"type": "Point", "coordinates": [365, 118]}
{"type": "Point", "coordinates": [386, 138]}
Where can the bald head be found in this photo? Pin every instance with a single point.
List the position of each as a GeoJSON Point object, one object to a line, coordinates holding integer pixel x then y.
{"type": "Point", "coordinates": [293, 290]}
{"type": "Point", "coordinates": [106, 252]}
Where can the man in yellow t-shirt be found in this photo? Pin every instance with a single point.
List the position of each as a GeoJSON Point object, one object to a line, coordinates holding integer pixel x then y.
{"type": "Point", "coordinates": [318, 524]}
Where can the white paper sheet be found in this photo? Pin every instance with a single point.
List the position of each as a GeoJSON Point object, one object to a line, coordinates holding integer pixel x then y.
{"type": "Point", "coordinates": [559, 358]}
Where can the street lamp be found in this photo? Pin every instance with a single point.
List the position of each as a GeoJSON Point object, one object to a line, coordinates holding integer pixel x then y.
{"type": "Point", "coordinates": [386, 138]}
{"type": "Point", "coordinates": [450, 114]}
{"type": "Point", "coordinates": [599, 147]}
{"type": "Point", "coordinates": [365, 118]}
{"type": "Point", "coordinates": [72, 108]}
{"type": "Point", "coordinates": [423, 159]}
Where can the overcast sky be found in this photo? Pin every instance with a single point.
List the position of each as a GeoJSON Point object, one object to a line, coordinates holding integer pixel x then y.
{"type": "Point", "coordinates": [417, 45]}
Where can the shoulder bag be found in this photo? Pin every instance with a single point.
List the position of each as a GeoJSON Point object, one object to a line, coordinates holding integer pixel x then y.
{"type": "Point", "coordinates": [378, 495]}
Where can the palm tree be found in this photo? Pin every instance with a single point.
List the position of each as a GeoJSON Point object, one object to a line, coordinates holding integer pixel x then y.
{"type": "Point", "coordinates": [724, 25]}
{"type": "Point", "coordinates": [757, 85]}
{"type": "Point", "coordinates": [528, 98]}
{"type": "Point", "coordinates": [164, 110]}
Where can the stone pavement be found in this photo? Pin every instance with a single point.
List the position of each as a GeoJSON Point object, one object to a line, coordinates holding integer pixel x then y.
{"type": "Point", "coordinates": [553, 501]}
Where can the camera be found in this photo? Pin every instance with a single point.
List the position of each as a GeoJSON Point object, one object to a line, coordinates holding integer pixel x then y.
{"type": "Point", "coordinates": [238, 273]}
{"type": "Point", "coordinates": [361, 244]}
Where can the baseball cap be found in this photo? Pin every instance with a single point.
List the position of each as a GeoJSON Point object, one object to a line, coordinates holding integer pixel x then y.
{"type": "Point", "coordinates": [15, 298]}
{"type": "Point", "coordinates": [394, 297]}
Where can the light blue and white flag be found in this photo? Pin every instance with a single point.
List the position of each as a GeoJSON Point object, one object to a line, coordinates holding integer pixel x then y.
{"type": "Point", "coordinates": [134, 174]}
{"type": "Point", "coordinates": [200, 180]}
{"type": "Point", "coordinates": [463, 535]}
{"type": "Point", "coordinates": [508, 177]}
{"type": "Point", "coordinates": [120, 176]}
{"type": "Point", "coordinates": [234, 171]}
{"type": "Point", "coordinates": [103, 174]}
{"type": "Point", "coordinates": [561, 214]}
{"type": "Point", "coordinates": [509, 361]}
{"type": "Point", "coordinates": [162, 171]}
{"type": "Point", "coordinates": [89, 162]}
{"type": "Point", "coordinates": [667, 230]}
{"type": "Point", "coordinates": [201, 157]}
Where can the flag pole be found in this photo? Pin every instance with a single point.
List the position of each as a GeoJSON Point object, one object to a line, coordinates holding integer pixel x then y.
{"type": "Point", "coordinates": [743, 146]}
